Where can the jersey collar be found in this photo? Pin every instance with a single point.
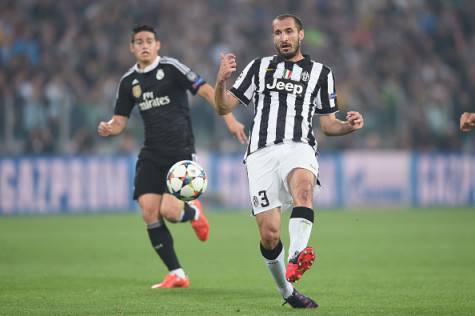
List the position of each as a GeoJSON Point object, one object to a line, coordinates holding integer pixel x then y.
{"type": "Point", "coordinates": [302, 62]}
{"type": "Point", "coordinates": [149, 67]}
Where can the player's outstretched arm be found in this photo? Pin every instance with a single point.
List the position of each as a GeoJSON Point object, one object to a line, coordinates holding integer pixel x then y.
{"type": "Point", "coordinates": [332, 126]}
{"type": "Point", "coordinates": [206, 91]}
{"type": "Point", "coordinates": [467, 121]}
{"type": "Point", "coordinates": [235, 127]}
{"type": "Point", "coordinates": [114, 127]}
{"type": "Point", "coordinates": [225, 102]}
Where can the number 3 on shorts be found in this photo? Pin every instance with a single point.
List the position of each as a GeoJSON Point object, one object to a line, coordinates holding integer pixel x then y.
{"type": "Point", "coordinates": [263, 196]}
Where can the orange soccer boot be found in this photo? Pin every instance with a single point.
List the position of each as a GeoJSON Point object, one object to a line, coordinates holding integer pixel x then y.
{"type": "Point", "coordinates": [299, 264]}
{"type": "Point", "coordinates": [172, 281]}
{"type": "Point", "coordinates": [201, 225]}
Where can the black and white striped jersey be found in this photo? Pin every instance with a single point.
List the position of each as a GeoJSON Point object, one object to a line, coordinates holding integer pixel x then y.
{"type": "Point", "coordinates": [286, 96]}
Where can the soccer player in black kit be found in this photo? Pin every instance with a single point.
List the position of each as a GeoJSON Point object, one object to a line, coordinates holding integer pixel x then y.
{"type": "Point", "coordinates": [158, 85]}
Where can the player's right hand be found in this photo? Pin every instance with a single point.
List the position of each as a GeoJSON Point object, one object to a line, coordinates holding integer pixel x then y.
{"type": "Point", "coordinates": [467, 121]}
{"type": "Point", "coordinates": [227, 67]}
{"type": "Point", "coordinates": [104, 129]}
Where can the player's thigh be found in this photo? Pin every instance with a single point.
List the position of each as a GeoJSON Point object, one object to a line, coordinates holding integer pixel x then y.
{"type": "Point", "coordinates": [150, 177]}
{"type": "Point", "coordinates": [150, 207]}
{"type": "Point", "coordinates": [299, 168]}
{"type": "Point", "coordinates": [264, 181]}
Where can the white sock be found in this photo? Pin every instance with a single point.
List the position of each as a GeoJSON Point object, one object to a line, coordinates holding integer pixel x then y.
{"type": "Point", "coordinates": [182, 214]}
{"type": "Point", "coordinates": [277, 269]}
{"type": "Point", "coordinates": [179, 273]}
{"type": "Point", "coordinates": [299, 232]}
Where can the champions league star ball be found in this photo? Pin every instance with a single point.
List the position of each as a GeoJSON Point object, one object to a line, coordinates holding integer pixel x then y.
{"type": "Point", "coordinates": [186, 180]}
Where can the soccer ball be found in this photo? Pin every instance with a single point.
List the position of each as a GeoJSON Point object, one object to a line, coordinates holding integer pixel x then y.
{"type": "Point", "coordinates": [186, 180]}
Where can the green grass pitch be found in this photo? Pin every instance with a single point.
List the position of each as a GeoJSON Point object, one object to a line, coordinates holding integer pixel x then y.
{"type": "Point", "coordinates": [401, 262]}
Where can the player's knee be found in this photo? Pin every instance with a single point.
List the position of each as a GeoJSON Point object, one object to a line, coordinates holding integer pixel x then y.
{"type": "Point", "coordinates": [270, 237]}
{"type": "Point", "coordinates": [149, 213]}
{"type": "Point", "coordinates": [149, 217]}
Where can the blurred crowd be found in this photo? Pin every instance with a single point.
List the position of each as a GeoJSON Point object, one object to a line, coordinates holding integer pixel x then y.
{"type": "Point", "coordinates": [407, 65]}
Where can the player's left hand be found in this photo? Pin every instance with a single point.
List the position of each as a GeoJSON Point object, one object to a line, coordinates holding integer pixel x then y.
{"type": "Point", "coordinates": [237, 130]}
{"type": "Point", "coordinates": [355, 119]}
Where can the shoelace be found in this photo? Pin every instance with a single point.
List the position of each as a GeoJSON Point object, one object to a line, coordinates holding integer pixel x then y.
{"type": "Point", "coordinates": [286, 300]}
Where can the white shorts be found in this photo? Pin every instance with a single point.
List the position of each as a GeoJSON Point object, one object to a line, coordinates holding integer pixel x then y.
{"type": "Point", "coordinates": [267, 171]}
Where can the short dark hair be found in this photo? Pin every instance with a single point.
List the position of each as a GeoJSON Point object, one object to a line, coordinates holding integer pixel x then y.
{"type": "Point", "coordinates": [143, 28]}
{"type": "Point", "coordinates": [297, 20]}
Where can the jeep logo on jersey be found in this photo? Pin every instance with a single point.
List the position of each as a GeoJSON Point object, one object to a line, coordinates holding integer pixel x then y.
{"type": "Point", "coordinates": [285, 85]}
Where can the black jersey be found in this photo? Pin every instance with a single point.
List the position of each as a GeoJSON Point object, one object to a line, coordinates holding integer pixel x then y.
{"type": "Point", "coordinates": [159, 91]}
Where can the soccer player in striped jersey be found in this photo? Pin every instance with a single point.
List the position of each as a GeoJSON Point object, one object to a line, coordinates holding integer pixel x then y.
{"type": "Point", "coordinates": [287, 90]}
{"type": "Point", "coordinates": [158, 86]}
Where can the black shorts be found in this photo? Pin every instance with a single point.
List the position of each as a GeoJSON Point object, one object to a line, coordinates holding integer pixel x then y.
{"type": "Point", "coordinates": [151, 175]}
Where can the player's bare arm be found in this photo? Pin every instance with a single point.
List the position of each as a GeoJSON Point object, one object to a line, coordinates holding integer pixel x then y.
{"type": "Point", "coordinates": [332, 126]}
{"type": "Point", "coordinates": [235, 127]}
{"type": "Point", "coordinates": [467, 121]}
{"type": "Point", "coordinates": [206, 91]}
{"type": "Point", "coordinates": [115, 126]}
{"type": "Point", "coordinates": [225, 101]}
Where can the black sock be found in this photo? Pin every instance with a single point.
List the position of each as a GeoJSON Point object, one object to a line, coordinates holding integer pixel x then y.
{"type": "Point", "coordinates": [162, 242]}
{"type": "Point", "coordinates": [272, 253]}
{"type": "Point", "coordinates": [303, 212]}
{"type": "Point", "coordinates": [188, 213]}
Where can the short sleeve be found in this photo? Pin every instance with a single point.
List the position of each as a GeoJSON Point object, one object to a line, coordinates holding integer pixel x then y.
{"type": "Point", "coordinates": [188, 79]}
{"type": "Point", "coordinates": [245, 86]}
{"type": "Point", "coordinates": [326, 101]}
{"type": "Point", "coordinates": [124, 100]}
